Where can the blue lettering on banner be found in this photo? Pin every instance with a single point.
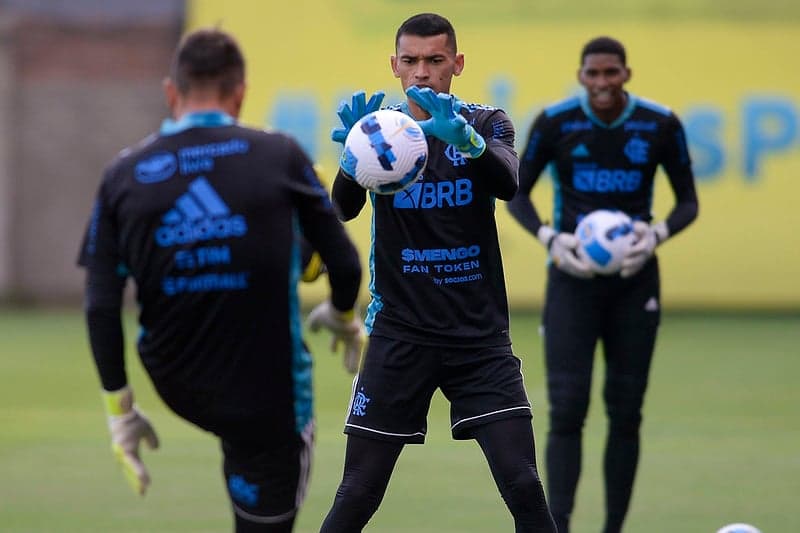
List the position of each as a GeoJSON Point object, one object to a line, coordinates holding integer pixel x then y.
{"type": "Point", "coordinates": [212, 282]}
{"type": "Point", "coordinates": [769, 126]}
{"type": "Point", "coordinates": [429, 195]}
{"type": "Point", "coordinates": [587, 178]}
{"type": "Point", "coordinates": [766, 125]}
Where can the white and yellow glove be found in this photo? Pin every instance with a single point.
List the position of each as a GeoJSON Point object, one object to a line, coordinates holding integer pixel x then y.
{"type": "Point", "coordinates": [128, 426]}
{"type": "Point", "coordinates": [647, 238]}
{"type": "Point", "coordinates": [563, 248]}
{"type": "Point", "coordinates": [347, 329]}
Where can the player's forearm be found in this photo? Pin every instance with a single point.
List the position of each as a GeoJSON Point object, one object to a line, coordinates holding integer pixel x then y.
{"type": "Point", "coordinates": [108, 347]}
{"type": "Point", "coordinates": [681, 216]}
{"type": "Point", "coordinates": [499, 164]}
{"type": "Point", "coordinates": [348, 197]}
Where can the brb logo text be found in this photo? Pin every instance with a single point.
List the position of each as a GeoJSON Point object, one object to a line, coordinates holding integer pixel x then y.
{"type": "Point", "coordinates": [428, 195]}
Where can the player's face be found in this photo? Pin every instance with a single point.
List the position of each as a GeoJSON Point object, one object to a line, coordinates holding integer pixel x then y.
{"type": "Point", "coordinates": [426, 62]}
{"type": "Point", "coordinates": [603, 76]}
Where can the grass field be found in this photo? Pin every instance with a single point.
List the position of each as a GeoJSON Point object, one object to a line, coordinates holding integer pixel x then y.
{"type": "Point", "coordinates": [721, 440]}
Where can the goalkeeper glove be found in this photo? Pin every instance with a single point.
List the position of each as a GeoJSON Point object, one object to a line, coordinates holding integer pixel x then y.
{"type": "Point", "coordinates": [128, 426]}
{"type": "Point", "coordinates": [647, 238]}
{"type": "Point", "coordinates": [351, 114]}
{"type": "Point", "coordinates": [445, 122]}
{"type": "Point", "coordinates": [346, 328]}
{"type": "Point", "coordinates": [562, 248]}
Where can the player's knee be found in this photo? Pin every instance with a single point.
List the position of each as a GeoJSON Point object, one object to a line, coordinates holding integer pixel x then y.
{"type": "Point", "coordinates": [523, 491]}
{"type": "Point", "coordinates": [624, 406]}
{"type": "Point", "coordinates": [567, 417]}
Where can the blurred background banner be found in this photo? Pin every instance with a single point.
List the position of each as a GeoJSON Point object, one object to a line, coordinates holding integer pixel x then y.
{"type": "Point", "coordinates": [731, 78]}
{"type": "Point", "coordinates": [81, 80]}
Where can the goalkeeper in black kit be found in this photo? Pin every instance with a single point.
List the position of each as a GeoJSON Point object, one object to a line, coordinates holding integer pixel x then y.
{"type": "Point", "coordinates": [438, 315]}
{"type": "Point", "coordinates": [217, 223]}
{"type": "Point", "coordinates": [604, 147]}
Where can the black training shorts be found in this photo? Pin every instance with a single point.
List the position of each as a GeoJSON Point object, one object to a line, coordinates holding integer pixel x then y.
{"type": "Point", "coordinates": [393, 391]}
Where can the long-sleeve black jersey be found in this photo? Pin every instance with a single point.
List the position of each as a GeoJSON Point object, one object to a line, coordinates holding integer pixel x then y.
{"type": "Point", "coordinates": [207, 218]}
{"type": "Point", "coordinates": [612, 166]}
{"type": "Point", "coordinates": [436, 270]}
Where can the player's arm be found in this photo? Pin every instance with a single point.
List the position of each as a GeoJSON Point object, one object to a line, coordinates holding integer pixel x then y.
{"type": "Point", "coordinates": [105, 284]}
{"type": "Point", "coordinates": [326, 235]}
{"type": "Point", "coordinates": [678, 166]}
{"type": "Point", "coordinates": [499, 162]}
{"type": "Point", "coordinates": [348, 196]}
{"type": "Point", "coordinates": [535, 157]}
{"type": "Point", "coordinates": [561, 246]}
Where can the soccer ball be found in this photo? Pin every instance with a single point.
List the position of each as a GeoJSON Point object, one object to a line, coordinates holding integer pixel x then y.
{"type": "Point", "coordinates": [739, 528]}
{"type": "Point", "coordinates": [604, 237]}
{"type": "Point", "coordinates": [385, 151]}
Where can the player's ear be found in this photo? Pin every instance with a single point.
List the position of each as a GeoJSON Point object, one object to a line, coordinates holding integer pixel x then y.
{"type": "Point", "coordinates": [393, 63]}
{"type": "Point", "coordinates": [459, 66]}
{"type": "Point", "coordinates": [238, 98]}
{"type": "Point", "coordinates": [628, 74]}
{"type": "Point", "coordinates": [170, 93]}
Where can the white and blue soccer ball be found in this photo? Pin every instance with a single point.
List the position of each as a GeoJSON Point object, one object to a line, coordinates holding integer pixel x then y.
{"type": "Point", "coordinates": [604, 237]}
{"type": "Point", "coordinates": [739, 528]}
{"type": "Point", "coordinates": [385, 151]}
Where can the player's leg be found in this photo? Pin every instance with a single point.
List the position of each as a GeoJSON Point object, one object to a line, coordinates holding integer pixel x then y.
{"type": "Point", "coordinates": [267, 482]}
{"type": "Point", "coordinates": [488, 402]}
{"type": "Point", "coordinates": [509, 449]}
{"type": "Point", "coordinates": [388, 409]}
{"type": "Point", "coordinates": [368, 465]}
{"type": "Point", "coordinates": [628, 346]}
{"type": "Point", "coordinates": [570, 336]}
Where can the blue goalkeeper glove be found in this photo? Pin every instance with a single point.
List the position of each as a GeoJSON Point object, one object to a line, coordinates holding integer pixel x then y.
{"type": "Point", "coordinates": [128, 426]}
{"type": "Point", "coordinates": [351, 114]}
{"type": "Point", "coordinates": [346, 328]}
{"type": "Point", "coordinates": [445, 122]}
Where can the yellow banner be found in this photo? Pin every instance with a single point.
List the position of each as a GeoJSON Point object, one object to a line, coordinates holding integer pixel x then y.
{"type": "Point", "coordinates": [736, 87]}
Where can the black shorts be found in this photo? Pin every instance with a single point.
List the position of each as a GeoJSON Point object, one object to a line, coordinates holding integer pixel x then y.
{"type": "Point", "coordinates": [268, 485]}
{"type": "Point", "coordinates": [393, 391]}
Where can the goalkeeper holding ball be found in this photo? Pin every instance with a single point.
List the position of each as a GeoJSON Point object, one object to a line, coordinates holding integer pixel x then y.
{"type": "Point", "coordinates": [605, 147]}
{"type": "Point", "coordinates": [206, 216]}
{"type": "Point", "coordinates": [438, 317]}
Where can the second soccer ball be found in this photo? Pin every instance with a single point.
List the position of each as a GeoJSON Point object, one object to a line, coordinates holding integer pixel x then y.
{"type": "Point", "coordinates": [385, 151]}
{"type": "Point", "coordinates": [605, 236]}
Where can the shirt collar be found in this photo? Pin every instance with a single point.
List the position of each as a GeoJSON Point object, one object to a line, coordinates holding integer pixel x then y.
{"type": "Point", "coordinates": [198, 119]}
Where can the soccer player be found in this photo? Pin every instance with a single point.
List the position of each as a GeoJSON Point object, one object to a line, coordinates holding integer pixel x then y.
{"type": "Point", "coordinates": [605, 147]}
{"type": "Point", "coordinates": [438, 316]}
{"type": "Point", "coordinates": [208, 218]}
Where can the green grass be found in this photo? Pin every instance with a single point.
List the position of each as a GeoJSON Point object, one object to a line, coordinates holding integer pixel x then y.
{"type": "Point", "coordinates": [721, 440]}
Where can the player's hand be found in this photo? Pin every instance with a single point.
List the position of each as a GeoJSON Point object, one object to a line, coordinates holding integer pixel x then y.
{"type": "Point", "coordinates": [128, 426]}
{"type": "Point", "coordinates": [350, 114]}
{"type": "Point", "coordinates": [647, 238]}
{"type": "Point", "coordinates": [562, 248]}
{"type": "Point", "coordinates": [445, 122]}
{"type": "Point", "coordinates": [347, 329]}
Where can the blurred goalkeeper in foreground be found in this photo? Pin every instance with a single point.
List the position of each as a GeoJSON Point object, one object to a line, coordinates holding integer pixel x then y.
{"type": "Point", "coordinates": [438, 317]}
{"type": "Point", "coordinates": [605, 147]}
{"type": "Point", "coordinates": [206, 216]}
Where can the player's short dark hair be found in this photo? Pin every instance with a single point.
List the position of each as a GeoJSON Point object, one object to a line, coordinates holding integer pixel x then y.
{"type": "Point", "coordinates": [427, 25]}
{"type": "Point", "coordinates": [604, 45]}
{"type": "Point", "coordinates": [207, 58]}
